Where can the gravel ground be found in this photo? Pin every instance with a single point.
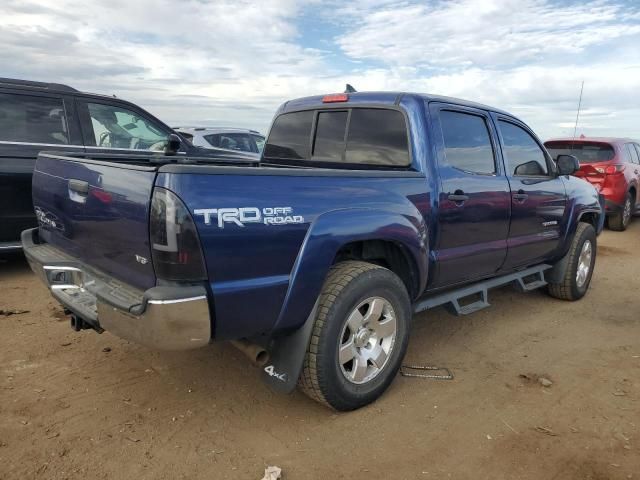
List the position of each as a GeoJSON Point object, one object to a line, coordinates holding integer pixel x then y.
{"type": "Point", "coordinates": [88, 406]}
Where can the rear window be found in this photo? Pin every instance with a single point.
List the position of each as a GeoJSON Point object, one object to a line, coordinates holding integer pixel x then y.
{"type": "Point", "coordinates": [289, 137]}
{"type": "Point", "coordinates": [329, 141]}
{"type": "Point", "coordinates": [32, 119]}
{"type": "Point", "coordinates": [584, 151]}
{"type": "Point", "coordinates": [357, 136]}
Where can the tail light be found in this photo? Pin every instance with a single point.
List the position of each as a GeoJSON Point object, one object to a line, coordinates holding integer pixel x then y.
{"type": "Point", "coordinates": [175, 247]}
{"type": "Point", "coordinates": [611, 169]}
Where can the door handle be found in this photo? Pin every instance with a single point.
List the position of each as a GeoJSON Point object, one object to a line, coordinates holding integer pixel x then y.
{"type": "Point", "coordinates": [520, 196]}
{"type": "Point", "coordinates": [458, 197]}
{"type": "Point", "coordinates": [79, 186]}
{"type": "Point", "coordinates": [78, 190]}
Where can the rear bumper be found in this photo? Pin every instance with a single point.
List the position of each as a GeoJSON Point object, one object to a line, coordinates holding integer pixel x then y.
{"type": "Point", "coordinates": [165, 318]}
{"type": "Point", "coordinates": [7, 247]}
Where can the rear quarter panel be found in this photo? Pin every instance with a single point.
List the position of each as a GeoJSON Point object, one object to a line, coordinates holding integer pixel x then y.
{"type": "Point", "coordinates": [266, 278]}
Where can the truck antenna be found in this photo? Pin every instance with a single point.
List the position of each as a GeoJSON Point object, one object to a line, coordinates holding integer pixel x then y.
{"type": "Point", "coordinates": [349, 89]}
{"type": "Point", "coordinates": [575, 128]}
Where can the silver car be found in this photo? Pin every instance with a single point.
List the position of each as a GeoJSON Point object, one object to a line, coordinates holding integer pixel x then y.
{"type": "Point", "coordinates": [231, 139]}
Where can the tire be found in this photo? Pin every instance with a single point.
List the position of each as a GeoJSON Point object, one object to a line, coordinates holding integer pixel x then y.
{"type": "Point", "coordinates": [620, 221]}
{"type": "Point", "coordinates": [353, 294]}
{"type": "Point", "coordinates": [574, 286]}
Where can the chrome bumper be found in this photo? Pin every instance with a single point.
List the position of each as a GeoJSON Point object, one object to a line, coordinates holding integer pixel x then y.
{"type": "Point", "coordinates": [8, 247]}
{"type": "Point", "coordinates": [165, 318]}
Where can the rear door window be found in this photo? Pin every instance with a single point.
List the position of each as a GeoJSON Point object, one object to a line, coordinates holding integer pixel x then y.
{"type": "Point", "coordinates": [467, 142]}
{"type": "Point", "coordinates": [523, 156]}
{"type": "Point", "coordinates": [356, 136]}
{"type": "Point", "coordinates": [33, 119]}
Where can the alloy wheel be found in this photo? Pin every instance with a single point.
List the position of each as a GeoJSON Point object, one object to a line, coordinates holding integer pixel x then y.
{"type": "Point", "coordinates": [367, 339]}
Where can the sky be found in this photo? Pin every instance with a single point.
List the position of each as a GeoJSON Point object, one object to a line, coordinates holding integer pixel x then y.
{"type": "Point", "coordinates": [231, 63]}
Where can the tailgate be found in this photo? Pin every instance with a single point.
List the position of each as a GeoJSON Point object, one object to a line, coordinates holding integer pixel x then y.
{"type": "Point", "coordinates": [97, 212]}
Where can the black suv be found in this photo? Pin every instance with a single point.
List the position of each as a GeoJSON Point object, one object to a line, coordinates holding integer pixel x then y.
{"type": "Point", "coordinates": [36, 116]}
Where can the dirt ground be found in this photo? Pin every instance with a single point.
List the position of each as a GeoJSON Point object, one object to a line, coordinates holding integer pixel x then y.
{"type": "Point", "coordinates": [88, 406]}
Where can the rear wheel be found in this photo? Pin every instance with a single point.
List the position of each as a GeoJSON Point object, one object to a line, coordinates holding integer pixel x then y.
{"type": "Point", "coordinates": [620, 221]}
{"type": "Point", "coordinates": [579, 267]}
{"type": "Point", "coordinates": [359, 337]}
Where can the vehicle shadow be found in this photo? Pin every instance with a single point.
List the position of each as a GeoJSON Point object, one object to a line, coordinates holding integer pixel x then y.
{"type": "Point", "coordinates": [12, 264]}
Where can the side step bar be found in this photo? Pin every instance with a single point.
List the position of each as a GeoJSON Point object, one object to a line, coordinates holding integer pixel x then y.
{"type": "Point", "coordinates": [524, 280]}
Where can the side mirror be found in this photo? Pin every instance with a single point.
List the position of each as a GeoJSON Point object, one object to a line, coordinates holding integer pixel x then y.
{"type": "Point", "coordinates": [173, 145]}
{"type": "Point", "coordinates": [567, 164]}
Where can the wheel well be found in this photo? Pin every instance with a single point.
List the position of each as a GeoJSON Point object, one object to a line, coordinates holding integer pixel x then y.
{"type": "Point", "coordinates": [590, 217]}
{"type": "Point", "coordinates": [633, 192]}
{"type": "Point", "coordinates": [385, 253]}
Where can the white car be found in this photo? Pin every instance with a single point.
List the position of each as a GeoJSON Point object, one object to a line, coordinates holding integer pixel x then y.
{"type": "Point", "coordinates": [216, 138]}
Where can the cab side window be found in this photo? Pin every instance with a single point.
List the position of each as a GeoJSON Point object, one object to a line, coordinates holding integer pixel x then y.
{"type": "Point", "coordinates": [32, 119]}
{"type": "Point", "coordinates": [522, 154]}
{"type": "Point", "coordinates": [467, 143]}
{"type": "Point", "coordinates": [117, 127]}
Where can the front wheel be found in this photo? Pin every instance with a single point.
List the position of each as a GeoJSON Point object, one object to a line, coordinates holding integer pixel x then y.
{"type": "Point", "coordinates": [359, 337]}
{"type": "Point", "coordinates": [579, 266]}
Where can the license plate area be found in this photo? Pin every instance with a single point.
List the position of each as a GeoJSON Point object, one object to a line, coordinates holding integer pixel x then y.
{"type": "Point", "coordinates": [72, 288]}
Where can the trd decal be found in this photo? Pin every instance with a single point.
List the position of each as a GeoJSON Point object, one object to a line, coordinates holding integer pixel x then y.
{"type": "Point", "coordinates": [48, 219]}
{"type": "Point", "coordinates": [242, 216]}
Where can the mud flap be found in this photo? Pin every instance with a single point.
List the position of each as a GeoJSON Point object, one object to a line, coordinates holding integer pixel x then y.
{"type": "Point", "coordinates": [556, 273]}
{"type": "Point", "coordinates": [287, 357]}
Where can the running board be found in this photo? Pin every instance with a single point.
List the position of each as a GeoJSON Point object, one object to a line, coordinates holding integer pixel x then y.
{"type": "Point", "coordinates": [524, 280]}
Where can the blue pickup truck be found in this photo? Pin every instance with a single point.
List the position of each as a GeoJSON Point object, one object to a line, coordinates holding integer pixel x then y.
{"type": "Point", "coordinates": [364, 209]}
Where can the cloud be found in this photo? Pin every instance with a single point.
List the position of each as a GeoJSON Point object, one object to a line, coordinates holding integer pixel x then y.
{"type": "Point", "coordinates": [490, 33]}
{"type": "Point", "coordinates": [232, 63]}
{"type": "Point", "coordinates": [525, 56]}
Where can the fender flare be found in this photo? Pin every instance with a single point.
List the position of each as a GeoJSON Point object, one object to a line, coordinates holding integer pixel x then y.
{"type": "Point", "coordinates": [326, 236]}
{"type": "Point", "coordinates": [331, 231]}
{"type": "Point", "coordinates": [556, 273]}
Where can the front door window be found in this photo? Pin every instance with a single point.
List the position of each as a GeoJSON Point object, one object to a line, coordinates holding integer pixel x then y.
{"type": "Point", "coordinates": [117, 127]}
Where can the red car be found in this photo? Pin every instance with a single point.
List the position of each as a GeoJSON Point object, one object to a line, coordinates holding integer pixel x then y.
{"type": "Point", "coordinates": [612, 165]}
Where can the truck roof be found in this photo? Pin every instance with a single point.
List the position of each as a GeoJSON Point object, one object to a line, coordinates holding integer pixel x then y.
{"type": "Point", "coordinates": [382, 98]}
{"type": "Point", "coordinates": [48, 86]}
